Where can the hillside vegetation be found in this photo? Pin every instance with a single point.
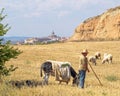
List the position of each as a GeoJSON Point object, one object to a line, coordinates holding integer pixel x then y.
{"type": "Point", "coordinates": [33, 56]}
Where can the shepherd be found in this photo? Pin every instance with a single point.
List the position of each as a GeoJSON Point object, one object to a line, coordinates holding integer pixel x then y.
{"type": "Point", "coordinates": [83, 67]}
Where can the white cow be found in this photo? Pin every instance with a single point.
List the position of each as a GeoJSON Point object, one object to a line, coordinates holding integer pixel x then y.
{"type": "Point", "coordinates": [107, 58]}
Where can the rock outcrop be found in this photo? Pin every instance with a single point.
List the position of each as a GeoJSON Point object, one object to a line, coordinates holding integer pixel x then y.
{"type": "Point", "coordinates": [102, 27]}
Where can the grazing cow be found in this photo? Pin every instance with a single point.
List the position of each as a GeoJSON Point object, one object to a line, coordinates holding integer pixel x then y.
{"type": "Point", "coordinates": [61, 70]}
{"type": "Point", "coordinates": [98, 55]}
{"type": "Point", "coordinates": [107, 58]}
{"type": "Point", "coordinates": [92, 59]}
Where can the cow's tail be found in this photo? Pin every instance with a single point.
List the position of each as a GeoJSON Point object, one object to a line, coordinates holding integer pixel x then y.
{"type": "Point", "coordinates": [41, 71]}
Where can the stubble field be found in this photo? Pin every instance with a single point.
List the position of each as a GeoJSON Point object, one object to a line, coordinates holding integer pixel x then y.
{"type": "Point", "coordinates": [33, 56]}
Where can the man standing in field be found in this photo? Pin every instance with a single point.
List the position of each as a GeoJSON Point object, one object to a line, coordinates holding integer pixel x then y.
{"type": "Point", "coordinates": [83, 67]}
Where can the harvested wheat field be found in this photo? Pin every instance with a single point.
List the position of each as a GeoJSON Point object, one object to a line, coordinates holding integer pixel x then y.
{"type": "Point", "coordinates": [33, 56]}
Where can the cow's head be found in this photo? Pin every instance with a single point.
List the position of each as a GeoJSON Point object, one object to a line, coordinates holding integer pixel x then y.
{"type": "Point", "coordinates": [75, 80]}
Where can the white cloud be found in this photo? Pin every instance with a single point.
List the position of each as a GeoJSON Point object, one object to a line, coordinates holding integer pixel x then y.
{"type": "Point", "coordinates": [22, 14]}
{"type": "Point", "coordinates": [35, 8]}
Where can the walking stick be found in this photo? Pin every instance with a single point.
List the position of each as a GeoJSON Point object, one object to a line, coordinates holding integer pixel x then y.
{"type": "Point", "coordinates": [95, 74]}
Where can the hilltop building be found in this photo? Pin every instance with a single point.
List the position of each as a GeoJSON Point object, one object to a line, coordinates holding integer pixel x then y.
{"type": "Point", "coordinates": [51, 38]}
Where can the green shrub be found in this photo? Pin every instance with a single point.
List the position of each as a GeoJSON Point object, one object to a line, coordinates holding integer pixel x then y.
{"type": "Point", "coordinates": [112, 78]}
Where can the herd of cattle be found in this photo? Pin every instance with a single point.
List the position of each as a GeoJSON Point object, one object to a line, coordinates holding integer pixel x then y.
{"type": "Point", "coordinates": [106, 58]}
{"type": "Point", "coordinates": [63, 71]}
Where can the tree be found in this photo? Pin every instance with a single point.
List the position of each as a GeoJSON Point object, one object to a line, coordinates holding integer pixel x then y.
{"type": "Point", "coordinates": [6, 50]}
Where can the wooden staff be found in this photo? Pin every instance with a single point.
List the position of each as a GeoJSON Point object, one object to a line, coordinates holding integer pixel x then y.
{"type": "Point", "coordinates": [95, 74]}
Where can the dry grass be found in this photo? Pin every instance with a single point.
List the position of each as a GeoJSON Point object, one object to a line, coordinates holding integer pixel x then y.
{"type": "Point", "coordinates": [33, 55]}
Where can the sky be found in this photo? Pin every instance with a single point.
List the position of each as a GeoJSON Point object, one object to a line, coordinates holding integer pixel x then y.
{"type": "Point", "coordinates": [39, 18]}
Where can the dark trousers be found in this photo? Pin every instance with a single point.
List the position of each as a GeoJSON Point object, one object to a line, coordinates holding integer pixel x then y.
{"type": "Point", "coordinates": [82, 75]}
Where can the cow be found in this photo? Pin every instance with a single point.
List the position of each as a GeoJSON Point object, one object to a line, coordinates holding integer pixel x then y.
{"type": "Point", "coordinates": [92, 59]}
{"type": "Point", "coordinates": [107, 58]}
{"type": "Point", "coordinates": [62, 71]}
{"type": "Point", "coordinates": [98, 55]}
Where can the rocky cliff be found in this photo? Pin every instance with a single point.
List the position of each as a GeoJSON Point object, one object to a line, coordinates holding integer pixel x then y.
{"type": "Point", "coordinates": [102, 27]}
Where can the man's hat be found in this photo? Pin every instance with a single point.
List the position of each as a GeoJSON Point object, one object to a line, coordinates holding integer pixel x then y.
{"type": "Point", "coordinates": [85, 51]}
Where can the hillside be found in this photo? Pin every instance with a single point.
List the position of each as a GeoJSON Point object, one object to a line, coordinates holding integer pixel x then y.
{"type": "Point", "coordinates": [102, 27]}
